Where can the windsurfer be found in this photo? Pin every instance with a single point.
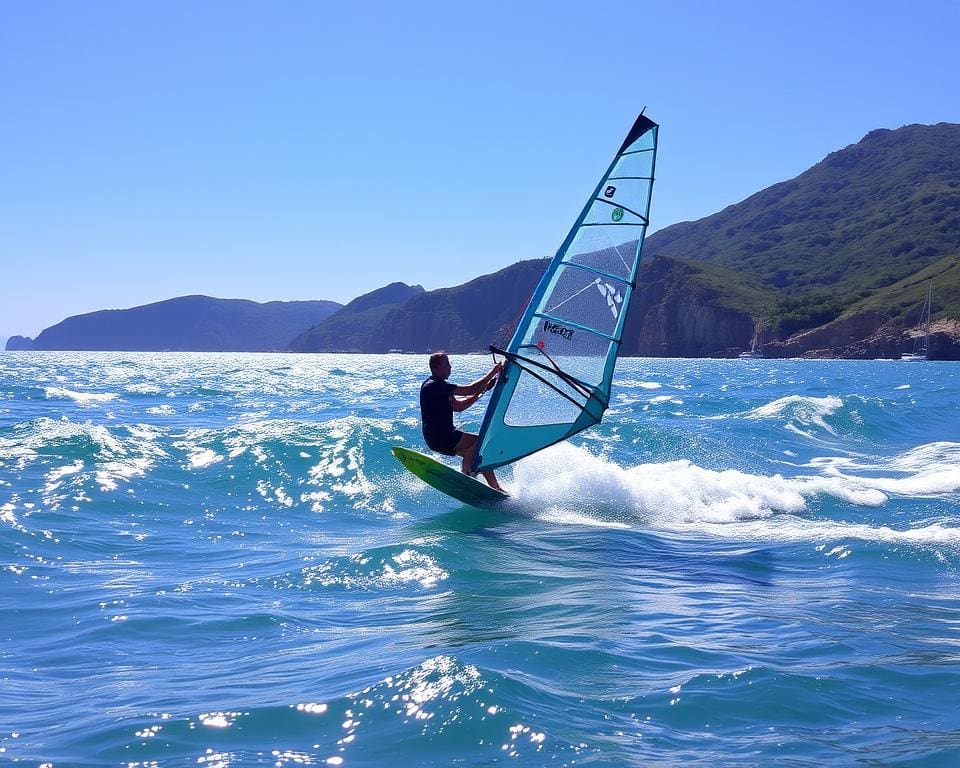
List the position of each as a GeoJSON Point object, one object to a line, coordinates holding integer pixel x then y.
{"type": "Point", "coordinates": [439, 399]}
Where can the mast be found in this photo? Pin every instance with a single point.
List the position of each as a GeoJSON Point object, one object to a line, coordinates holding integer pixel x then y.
{"type": "Point", "coordinates": [558, 366]}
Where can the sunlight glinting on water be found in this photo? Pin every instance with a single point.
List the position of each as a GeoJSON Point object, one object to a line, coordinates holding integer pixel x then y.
{"type": "Point", "coordinates": [215, 559]}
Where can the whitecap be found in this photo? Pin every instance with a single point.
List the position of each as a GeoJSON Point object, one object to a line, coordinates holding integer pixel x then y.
{"type": "Point", "coordinates": [83, 398]}
{"type": "Point", "coordinates": [55, 476]}
{"type": "Point", "coordinates": [202, 457]}
{"type": "Point", "coordinates": [143, 388]}
{"type": "Point", "coordinates": [932, 469]}
{"type": "Point", "coordinates": [109, 474]}
{"type": "Point", "coordinates": [6, 513]}
{"type": "Point", "coordinates": [408, 566]}
{"type": "Point", "coordinates": [797, 404]}
{"type": "Point", "coordinates": [630, 383]}
{"type": "Point", "coordinates": [569, 485]}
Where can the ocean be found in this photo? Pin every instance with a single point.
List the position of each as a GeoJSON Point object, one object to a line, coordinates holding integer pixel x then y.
{"type": "Point", "coordinates": [214, 560]}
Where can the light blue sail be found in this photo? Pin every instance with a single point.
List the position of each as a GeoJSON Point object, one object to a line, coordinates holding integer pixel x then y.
{"type": "Point", "coordinates": [559, 364]}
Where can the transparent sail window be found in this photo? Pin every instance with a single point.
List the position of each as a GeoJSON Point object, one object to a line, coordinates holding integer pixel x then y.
{"type": "Point", "coordinates": [608, 249]}
{"type": "Point", "coordinates": [582, 297]}
{"type": "Point", "coordinates": [535, 403]}
{"type": "Point", "coordinates": [585, 368]}
{"type": "Point", "coordinates": [582, 355]}
{"type": "Point", "coordinates": [613, 215]}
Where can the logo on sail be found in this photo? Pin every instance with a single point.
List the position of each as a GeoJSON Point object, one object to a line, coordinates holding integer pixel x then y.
{"type": "Point", "coordinates": [617, 214]}
{"type": "Point", "coordinates": [559, 330]}
{"type": "Point", "coordinates": [610, 191]}
{"type": "Point", "coordinates": [612, 295]}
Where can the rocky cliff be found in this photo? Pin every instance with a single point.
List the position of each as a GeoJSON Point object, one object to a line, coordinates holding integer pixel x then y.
{"type": "Point", "coordinates": [674, 314]}
{"type": "Point", "coordinates": [867, 336]}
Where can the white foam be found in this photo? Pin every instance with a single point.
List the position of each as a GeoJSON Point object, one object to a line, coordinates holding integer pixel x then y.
{"type": "Point", "coordinates": [117, 455]}
{"type": "Point", "coordinates": [927, 470]}
{"type": "Point", "coordinates": [569, 485]}
{"type": "Point", "coordinates": [143, 388]}
{"type": "Point", "coordinates": [793, 529]}
{"type": "Point", "coordinates": [110, 474]}
{"type": "Point", "coordinates": [6, 513]}
{"type": "Point", "coordinates": [622, 384]}
{"type": "Point", "coordinates": [54, 476]}
{"type": "Point", "coordinates": [202, 457]}
{"type": "Point", "coordinates": [83, 398]}
{"type": "Point", "coordinates": [798, 409]}
{"type": "Point", "coordinates": [665, 399]}
{"type": "Point", "coordinates": [676, 490]}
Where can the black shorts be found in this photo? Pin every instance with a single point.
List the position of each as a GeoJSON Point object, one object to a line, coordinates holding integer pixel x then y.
{"type": "Point", "coordinates": [446, 443]}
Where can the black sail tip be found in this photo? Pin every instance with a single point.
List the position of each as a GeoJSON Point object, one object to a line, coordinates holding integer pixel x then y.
{"type": "Point", "coordinates": [640, 126]}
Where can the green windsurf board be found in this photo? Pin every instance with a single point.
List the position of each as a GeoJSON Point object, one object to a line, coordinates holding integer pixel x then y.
{"type": "Point", "coordinates": [448, 480]}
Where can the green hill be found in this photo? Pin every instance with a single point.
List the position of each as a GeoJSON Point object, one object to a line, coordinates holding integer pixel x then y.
{"type": "Point", "coordinates": [352, 328]}
{"type": "Point", "coordinates": [186, 324]}
{"type": "Point", "coordinates": [864, 218]}
{"type": "Point", "coordinates": [903, 300]}
{"type": "Point", "coordinates": [464, 318]}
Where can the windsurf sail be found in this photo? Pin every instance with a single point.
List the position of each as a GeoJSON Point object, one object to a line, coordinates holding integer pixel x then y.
{"type": "Point", "coordinates": [558, 366]}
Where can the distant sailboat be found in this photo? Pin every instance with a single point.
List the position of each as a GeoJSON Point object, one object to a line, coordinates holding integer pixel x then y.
{"type": "Point", "coordinates": [756, 344]}
{"type": "Point", "coordinates": [921, 342]}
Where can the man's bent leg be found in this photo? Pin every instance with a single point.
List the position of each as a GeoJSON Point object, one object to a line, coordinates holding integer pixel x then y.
{"type": "Point", "coordinates": [491, 480]}
{"type": "Point", "coordinates": [466, 448]}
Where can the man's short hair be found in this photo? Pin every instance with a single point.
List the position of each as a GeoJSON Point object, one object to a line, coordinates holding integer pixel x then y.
{"type": "Point", "coordinates": [435, 359]}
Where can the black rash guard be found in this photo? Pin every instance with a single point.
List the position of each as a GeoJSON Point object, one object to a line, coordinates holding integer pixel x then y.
{"type": "Point", "coordinates": [436, 414]}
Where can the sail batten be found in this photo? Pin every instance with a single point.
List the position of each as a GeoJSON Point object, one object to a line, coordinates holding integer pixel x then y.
{"type": "Point", "coordinates": [570, 332]}
{"type": "Point", "coordinates": [601, 273]}
{"type": "Point", "coordinates": [626, 224]}
{"type": "Point", "coordinates": [625, 208]}
{"type": "Point", "coordinates": [572, 324]}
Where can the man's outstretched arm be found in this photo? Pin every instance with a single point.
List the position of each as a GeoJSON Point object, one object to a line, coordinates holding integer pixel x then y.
{"type": "Point", "coordinates": [477, 387]}
{"type": "Point", "coordinates": [462, 405]}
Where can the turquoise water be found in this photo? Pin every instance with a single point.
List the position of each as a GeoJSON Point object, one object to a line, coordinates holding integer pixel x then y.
{"type": "Point", "coordinates": [214, 560]}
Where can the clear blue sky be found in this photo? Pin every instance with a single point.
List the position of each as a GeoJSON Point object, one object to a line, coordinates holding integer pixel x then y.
{"type": "Point", "coordinates": [314, 150]}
